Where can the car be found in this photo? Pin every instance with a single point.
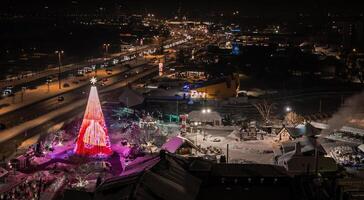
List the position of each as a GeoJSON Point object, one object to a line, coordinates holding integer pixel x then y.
{"type": "Point", "coordinates": [7, 92]}
{"type": "Point", "coordinates": [60, 98]}
{"type": "Point", "coordinates": [66, 85]}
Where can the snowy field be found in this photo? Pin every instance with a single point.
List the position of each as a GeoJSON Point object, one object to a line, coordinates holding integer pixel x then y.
{"type": "Point", "coordinates": [253, 151]}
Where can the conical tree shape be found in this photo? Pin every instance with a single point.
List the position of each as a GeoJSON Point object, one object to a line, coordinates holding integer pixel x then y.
{"type": "Point", "coordinates": [93, 139]}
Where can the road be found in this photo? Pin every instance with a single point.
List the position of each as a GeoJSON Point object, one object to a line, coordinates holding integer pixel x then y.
{"type": "Point", "coordinates": [34, 110]}
{"type": "Point", "coordinates": [71, 67]}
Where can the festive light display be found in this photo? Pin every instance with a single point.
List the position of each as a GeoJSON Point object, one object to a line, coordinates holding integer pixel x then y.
{"type": "Point", "coordinates": [93, 139]}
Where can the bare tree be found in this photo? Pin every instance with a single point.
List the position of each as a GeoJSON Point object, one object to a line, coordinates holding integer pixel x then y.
{"type": "Point", "coordinates": [293, 119]}
{"type": "Point", "coordinates": [265, 109]}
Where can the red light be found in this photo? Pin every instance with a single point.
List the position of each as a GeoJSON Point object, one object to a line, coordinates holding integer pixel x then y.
{"type": "Point", "coordinates": [93, 139]}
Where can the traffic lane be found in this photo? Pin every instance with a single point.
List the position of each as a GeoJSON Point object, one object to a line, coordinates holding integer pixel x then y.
{"type": "Point", "coordinates": [14, 132]}
{"type": "Point", "coordinates": [29, 112]}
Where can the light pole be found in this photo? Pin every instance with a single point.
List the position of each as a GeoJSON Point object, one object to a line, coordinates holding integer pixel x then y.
{"type": "Point", "coordinates": [288, 109]}
{"type": "Point", "coordinates": [22, 93]}
{"type": "Point", "coordinates": [48, 82]}
{"type": "Point", "coordinates": [204, 112]}
{"type": "Point", "coordinates": [59, 53]}
{"type": "Point", "coordinates": [106, 46]}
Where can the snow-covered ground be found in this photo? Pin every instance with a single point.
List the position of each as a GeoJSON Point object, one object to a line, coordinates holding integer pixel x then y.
{"type": "Point", "coordinates": [253, 151]}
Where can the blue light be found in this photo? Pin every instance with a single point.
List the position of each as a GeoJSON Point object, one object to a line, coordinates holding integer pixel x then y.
{"type": "Point", "coordinates": [235, 50]}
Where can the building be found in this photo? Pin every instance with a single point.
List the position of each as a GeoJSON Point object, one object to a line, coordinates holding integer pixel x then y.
{"type": "Point", "coordinates": [218, 89]}
{"type": "Point", "coordinates": [292, 133]}
{"type": "Point", "coordinates": [130, 98]}
{"type": "Point", "coordinates": [305, 156]}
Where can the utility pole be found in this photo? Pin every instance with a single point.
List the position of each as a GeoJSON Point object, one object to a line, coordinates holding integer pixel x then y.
{"type": "Point", "coordinates": [22, 93]}
{"type": "Point", "coordinates": [177, 104]}
{"type": "Point", "coordinates": [227, 153]}
{"type": "Point", "coordinates": [59, 53]}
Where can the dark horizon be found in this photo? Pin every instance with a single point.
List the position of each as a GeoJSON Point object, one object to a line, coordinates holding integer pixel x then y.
{"type": "Point", "coordinates": [188, 7]}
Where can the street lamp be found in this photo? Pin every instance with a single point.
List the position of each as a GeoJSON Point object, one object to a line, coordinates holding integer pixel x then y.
{"type": "Point", "coordinates": [288, 109]}
{"type": "Point", "coordinates": [205, 111]}
{"type": "Point", "coordinates": [106, 46]}
{"type": "Point", "coordinates": [59, 53]}
{"type": "Point", "coordinates": [48, 82]}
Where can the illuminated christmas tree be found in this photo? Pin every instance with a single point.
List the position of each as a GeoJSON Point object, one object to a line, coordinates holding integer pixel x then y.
{"type": "Point", "coordinates": [93, 139]}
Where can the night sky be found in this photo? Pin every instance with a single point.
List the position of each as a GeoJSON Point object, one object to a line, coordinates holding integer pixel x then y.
{"type": "Point", "coordinates": [169, 8]}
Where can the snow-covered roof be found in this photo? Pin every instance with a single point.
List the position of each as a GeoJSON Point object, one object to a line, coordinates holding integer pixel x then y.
{"type": "Point", "coordinates": [198, 116]}
{"type": "Point", "coordinates": [344, 128]}
{"type": "Point", "coordinates": [361, 147]}
{"type": "Point", "coordinates": [175, 143]}
{"type": "Point", "coordinates": [130, 97]}
{"type": "Point", "coordinates": [172, 182]}
{"type": "Point", "coordinates": [307, 145]}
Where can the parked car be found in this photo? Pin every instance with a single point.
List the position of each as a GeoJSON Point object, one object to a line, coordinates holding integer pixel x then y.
{"type": "Point", "coordinates": [66, 85]}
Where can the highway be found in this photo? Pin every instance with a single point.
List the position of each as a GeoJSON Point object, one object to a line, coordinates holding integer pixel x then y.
{"type": "Point", "coordinates": [34, 110]}
{"type": "Point", "coordinates": [65, 69]}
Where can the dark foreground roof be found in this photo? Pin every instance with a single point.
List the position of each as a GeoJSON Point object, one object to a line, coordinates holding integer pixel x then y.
{"type": "Point", "coordinates": [179, 178]}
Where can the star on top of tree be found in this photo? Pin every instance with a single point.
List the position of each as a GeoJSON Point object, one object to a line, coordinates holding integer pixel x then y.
{"type": "Point", "coordinates": [93, 80]}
